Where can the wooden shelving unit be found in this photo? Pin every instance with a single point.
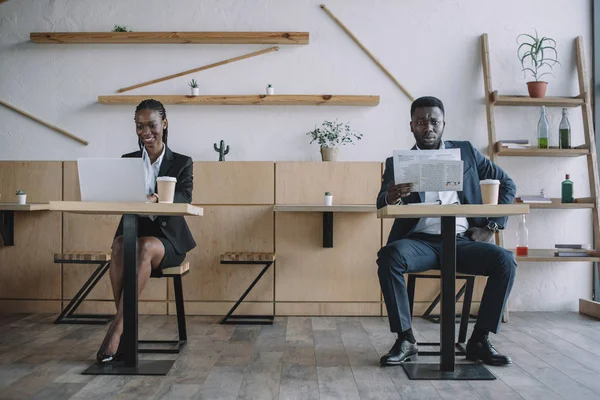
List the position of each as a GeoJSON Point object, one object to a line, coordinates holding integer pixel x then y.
{"type": "Point", "coordinates": [240, 100]}
{"type": "Point", "coordinates": [547, 255]}
{"type": "Point", "coordinates": [556, 204]}
{"type": "Point", "coordinates": [294, 38]}
{"type": "Point", "coordinates": [535, 152]}
{"type": "Point", "coordinates": [583, 100]}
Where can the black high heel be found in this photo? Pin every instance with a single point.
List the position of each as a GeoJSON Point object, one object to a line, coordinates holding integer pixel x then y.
{"type": "Point", "coordinates": [102, 358]}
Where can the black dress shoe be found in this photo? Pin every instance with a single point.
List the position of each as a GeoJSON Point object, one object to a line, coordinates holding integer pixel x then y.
{"type": "Point", "coordinates": [484, 350]}
{"type": "Point", "coordinates": [403, 350]}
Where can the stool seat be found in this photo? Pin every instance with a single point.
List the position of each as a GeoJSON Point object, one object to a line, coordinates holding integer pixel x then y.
{"type": "Point", "coordinates": [435, 272]}
{"type": "Point", "coordinates": [179, 270]}
{"type": "Point", "coordinates": [82, 256]}
{"type": "Point", "coordinates": [242, 256]}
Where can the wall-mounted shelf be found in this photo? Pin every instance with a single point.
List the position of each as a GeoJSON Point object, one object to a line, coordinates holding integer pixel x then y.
{"type": "Point", "coordinates": [529, 101]}
{"type": "Point", "coordinates": [535, 152]}
{"type": "Point", "coordinates": [240, 100]}
{"type": "Point", "coordinates": [547, 255]}
{"type": "Point", "coordinates": [556, 204]}
{"type": "Point", "coordinates": [170, 37]}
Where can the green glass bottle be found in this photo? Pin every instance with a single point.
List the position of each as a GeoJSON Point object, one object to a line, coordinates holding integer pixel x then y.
{"type": "Point", "coordinates": [542, 129]}
{"type": "Point", "coordinates": [564, 131]}
{"type": "Point", "coordinates": [566, 190]}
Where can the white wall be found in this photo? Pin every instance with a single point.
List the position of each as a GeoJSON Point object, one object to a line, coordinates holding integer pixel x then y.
{"type": "Point", "coordinates": [431, 46]}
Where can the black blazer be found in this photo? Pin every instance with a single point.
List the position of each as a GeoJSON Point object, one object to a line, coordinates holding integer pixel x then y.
{"type": "Point", "coordinates": [174, 228]}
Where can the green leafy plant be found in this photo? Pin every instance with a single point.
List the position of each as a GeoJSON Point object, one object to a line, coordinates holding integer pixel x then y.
{"type": "Point", "coordinates": [327, 194]}
{"type": "Point", "coordinates": [333, 134]}
{"type": "Point", "coordinates": [20, 192]}
{"type": "Point", "coordinates": [119, 28]}
{"type": "Point", "coordinates": [535, 53]}
{"type": "Point", "coordinates": [193, 84]}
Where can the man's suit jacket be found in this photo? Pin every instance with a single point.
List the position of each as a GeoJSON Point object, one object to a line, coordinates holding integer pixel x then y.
{"type": "Point", "coordinates": [476, 167]}
{"type": "Point", "coordinates": [174, 228]}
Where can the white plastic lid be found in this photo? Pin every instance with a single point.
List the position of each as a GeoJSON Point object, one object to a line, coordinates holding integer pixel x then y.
{"type": "Point", "coordinates": [489, 182]}
{"type": "Point", "coordinates": [167, 178]}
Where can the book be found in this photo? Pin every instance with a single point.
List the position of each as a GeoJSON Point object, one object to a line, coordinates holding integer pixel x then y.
{"type": "Point", "coordinates": [515, 141]}
{"type": "Point", "coordinates": [533, 199]}
{"type": "Point", "coordinates": [572, 253]}
{"type": "Point", "coordinates": [573, 246]}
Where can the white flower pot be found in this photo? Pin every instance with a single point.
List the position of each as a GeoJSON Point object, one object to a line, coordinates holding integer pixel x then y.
{"type": "Point", "coordinates": [329, 153]}
{"type": "Point", "coordinates": [270, 90]}
{"type": "Point", "coordinates": [196, 91]}
{"type": "Point", "coordinates": [329, 200]}
{"type": "Point", "coordinates": [22, 198]}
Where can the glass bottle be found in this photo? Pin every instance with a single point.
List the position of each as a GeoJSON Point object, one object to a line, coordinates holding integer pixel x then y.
{"type": "Point", "coordinates": [564, 131]}
{"type": "Point", "coordinates": [566, 190]}
{"type": "Point", "coordinates": [522, 237]}
{"type": "Point", "coordinates": [542, 129]}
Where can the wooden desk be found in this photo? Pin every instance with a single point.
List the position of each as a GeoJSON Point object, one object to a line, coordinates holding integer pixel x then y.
{"type": "Point", "coordinates": [7, 218]}
{"type": "Point", "coordinates": [447, 369]}
{"type": "Point", "coordinates": [327, 215]}
{"type": "Point", "coordinates": [131, 212]}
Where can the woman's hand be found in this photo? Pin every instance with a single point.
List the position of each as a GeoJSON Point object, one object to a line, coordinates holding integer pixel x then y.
{"type": "Point", "coordinates": [152, 198]}
{"type": "Point", "coordinates": [395, 192]}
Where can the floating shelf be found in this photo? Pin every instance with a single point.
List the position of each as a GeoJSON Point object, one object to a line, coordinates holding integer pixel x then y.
{"type": "Point", "coordinates": [556, 203]}
{"type": "Point", "coordinates": [240, 100]}
{"type": "Point", "coordinates": [535, 152]}
{"type": "Point", "coordinates": [529, 101]}
{"type": "Point", "coordinates": [170, 37]}
{"type": "Point", "coordinates": [547, 255]}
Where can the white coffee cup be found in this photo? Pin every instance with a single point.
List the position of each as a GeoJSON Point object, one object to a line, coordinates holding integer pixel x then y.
{"type": "Point", "coordinates": [166, 188]}
{"type": "Point", "coordinates": [490, 188]}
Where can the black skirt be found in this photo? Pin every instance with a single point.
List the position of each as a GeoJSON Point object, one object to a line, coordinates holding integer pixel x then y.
{"type": "Point", "coordinates": [147, 227]}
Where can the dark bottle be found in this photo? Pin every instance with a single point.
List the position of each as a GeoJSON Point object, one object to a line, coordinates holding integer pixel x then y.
{"type": "Point", "coordinates": [564, 131]}
{"type": "Point", "coordinates": [566, 191]}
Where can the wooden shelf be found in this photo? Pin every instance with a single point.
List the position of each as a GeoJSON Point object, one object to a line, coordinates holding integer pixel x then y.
{"type": "Point", "coordinates": [556, 204]}
{"type": "Point", "coordinates": [545, 101]}
{"type": "Point", "coordinates": [535, 152]}
{"type": "Point", "coordinates": [547, 255]}
{"type": "Point", "coordinates": [24, 207]}
{"type": "Point", "coordinates": [170, 37]}
{"type": "Point", "coordinates": [240, 100]}
{"type": "Point", "coordinates": [367, 208]}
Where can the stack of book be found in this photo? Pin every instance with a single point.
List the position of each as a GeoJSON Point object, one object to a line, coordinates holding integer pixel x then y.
{"type": "Point", "coordinates": [514, 143]}
{"type": "Point", "coordinates": [533, 199]}
{"type": "Point", "coordinates": [573, 250]}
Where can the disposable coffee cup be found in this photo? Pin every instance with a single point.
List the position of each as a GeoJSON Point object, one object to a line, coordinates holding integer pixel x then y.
{"type": "Point", "coordinates": [166, 188]}
{"type": "Point", "coordinates": [489, 191]}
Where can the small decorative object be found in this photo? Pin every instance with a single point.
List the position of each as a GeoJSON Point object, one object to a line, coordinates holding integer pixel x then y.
{"type": "Point", "coordinates": [331, 135]}
{"type": "Point", "coordinates": [222, 150]}
{"type": "Point", "coordinates": [119, 28]}
{"type": "Point", "coordinates": [566, 190]}
{"type": "Point", "coordinates": [270, 89]}
{"type": "Point", "coordinates": [195, 89]}
{"type": "Point", "coordinates": [21, 196]}
{"type": "Point", "coordinates": [542, 129]}
{"type": "Point", "coordinates": [564, 131]}
{"type": "Point", "coordinates": [328, 199]}
{"type": "Point", "coordinates": [535, 53]}
{"type": "Point", "coordinates": [522, 237]}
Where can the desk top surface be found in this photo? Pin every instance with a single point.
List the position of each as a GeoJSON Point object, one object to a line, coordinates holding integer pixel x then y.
{"type": "Point", "coordinates": [323, 208]}
{"type": "Point", "coordinates": [84, 207]}
{"type": "Point", "coordinates": [460, 210]}
{"type": "Point", "coordinates": [24, 207]}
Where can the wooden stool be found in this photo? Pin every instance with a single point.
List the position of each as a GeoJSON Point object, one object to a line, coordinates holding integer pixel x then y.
{"type": "Point", "coordinates": [466, 290]}
{"type": "Point", "coordinates": [67, 316]}
{"type": "Point", "coordinates": [172, 346]}
{"type": "Point", "coordinates": [248, 258]}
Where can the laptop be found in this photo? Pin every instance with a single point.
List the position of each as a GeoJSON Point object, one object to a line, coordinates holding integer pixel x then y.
{"type": "Point", "coordinates": [112, 179]}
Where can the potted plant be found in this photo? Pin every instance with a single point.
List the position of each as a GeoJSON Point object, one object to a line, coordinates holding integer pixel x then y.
{"type": "Point", "coordinates": [330, 136]}
{"type": "Point", "coordinates": [535, 53]}
{"type": "Point", "coordinates": [21, 196]}
{"type": "Point", "coordinates": [270, 89]}
{"type": "Point", "coordinates": [119, 28]}
{"type": "Point", "coordinates": [328, 199]}
{"type": "Point", "coordinates": [195, 89]}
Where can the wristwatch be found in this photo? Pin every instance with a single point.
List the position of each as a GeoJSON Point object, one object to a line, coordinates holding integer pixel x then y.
{"type": "Point", "coordinates": [494, 226]}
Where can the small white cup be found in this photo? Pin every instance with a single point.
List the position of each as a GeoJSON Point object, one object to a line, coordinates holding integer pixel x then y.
{"type": "Point", "coordinates": [166, 188]}
{"type": "Point", "coordinates": [490, 188]}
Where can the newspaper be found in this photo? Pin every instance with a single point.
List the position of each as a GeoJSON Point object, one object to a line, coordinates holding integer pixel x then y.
{"type": "Point", "coordinates": [429, 170]}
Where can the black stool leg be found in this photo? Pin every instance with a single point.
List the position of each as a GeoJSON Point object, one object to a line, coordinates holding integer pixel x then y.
{"type": "Point", "coordinates": [412, 280]}
{"type": "Point", "coordinates": [466, 311]}
{"type": "Point", "coordinates": [181, 327]}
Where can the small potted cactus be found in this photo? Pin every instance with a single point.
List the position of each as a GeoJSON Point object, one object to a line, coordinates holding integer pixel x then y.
{"type": "Point", "coordinates": [195, 89]}
{"type": "Point", "coordinates": [21, 196]}
{"type": "Point", "coordinates": [222, 150]}
{"type": "Point", "coordinates": [270, 89]}
{"type": "Point", "coordinates": [328, 199]}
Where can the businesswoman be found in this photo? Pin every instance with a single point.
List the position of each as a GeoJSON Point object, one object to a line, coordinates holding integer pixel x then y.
{"type": "Point", "coordinates": [163, 240]}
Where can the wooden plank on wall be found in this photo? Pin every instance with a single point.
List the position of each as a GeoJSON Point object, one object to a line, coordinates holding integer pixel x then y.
{"type": "Point", "coordinates": [221, 308]}
{"type": "Point", "coordinates": [41, 180]}
{"type": "Point", "coordinates": [327, 309]}
{"type": "Point", "coordinates": [306, 182]}
{"type": "Point", "coordinates": [233, 182]}
{"type": "Point", "coordinates": [30, 306]}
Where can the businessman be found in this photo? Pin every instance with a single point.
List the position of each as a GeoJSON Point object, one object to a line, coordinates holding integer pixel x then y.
{"type": "Point", "coordinates": [414, 245]}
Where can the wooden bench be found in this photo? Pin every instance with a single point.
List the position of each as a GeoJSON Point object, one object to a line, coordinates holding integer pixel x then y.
{"type": "Point", "coordinates": [171, 346]}
{"type": "Point", "coordinates": [102, 259]}
{"type": "Point", "coordinates": [248, 258]}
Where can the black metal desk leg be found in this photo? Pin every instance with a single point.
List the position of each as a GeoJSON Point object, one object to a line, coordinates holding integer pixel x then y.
{"type": "Point", "coordinates": [7, 227]}
{"type": "Point", "coordinates": [448, 289]}
{"type": "Point", "coordinates": [130, 289]}
{"type": "Point", "coordinates": [328, 229]}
